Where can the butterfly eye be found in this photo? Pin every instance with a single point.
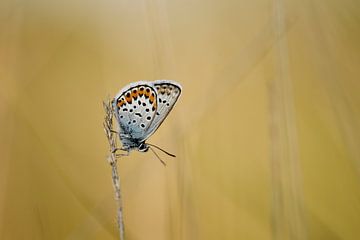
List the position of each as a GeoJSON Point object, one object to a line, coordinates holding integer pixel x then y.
{"type": "Point", "coordinates": [143, 147]}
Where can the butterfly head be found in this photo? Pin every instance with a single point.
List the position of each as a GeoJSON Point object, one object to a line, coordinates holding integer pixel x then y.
{"type": "Point", "coordinates": [143, 147]}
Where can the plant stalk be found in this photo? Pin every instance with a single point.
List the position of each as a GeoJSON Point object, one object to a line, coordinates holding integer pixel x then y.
{"type": "Point", "coordinates": [112, 159]}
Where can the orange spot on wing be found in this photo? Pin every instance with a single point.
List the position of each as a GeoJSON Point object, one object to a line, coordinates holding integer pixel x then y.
{"type": "Point", "coordinates": [163, 89]}
{"type": "Point", "coordinates": [134, 94]}
{"type": "Point", "coordinates": [128, 97]}
{"type": "Point", "coordinates": [120, 103]}
{"type": "Point", "coordinates": [147, 92]}
{"type": "Point", "coordinates": [168, 91]}
{"type": "Point", "coordinates": [141, 91]}
{"type": "Point", "coordinates": [152, 97]}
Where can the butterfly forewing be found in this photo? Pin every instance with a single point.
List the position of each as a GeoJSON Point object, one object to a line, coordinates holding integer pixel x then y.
{"type": "Point", "coordinates": [135, 110]}
{"type": "Point", "coordinates": [167, 94]}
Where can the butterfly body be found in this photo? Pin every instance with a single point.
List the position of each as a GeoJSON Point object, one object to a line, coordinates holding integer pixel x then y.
{"type": "Point", "coordinates": [140, 108]}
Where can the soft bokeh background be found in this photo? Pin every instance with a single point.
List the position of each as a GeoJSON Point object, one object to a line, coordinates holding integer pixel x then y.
{"type": "Point", "coordinates": [266, 132]}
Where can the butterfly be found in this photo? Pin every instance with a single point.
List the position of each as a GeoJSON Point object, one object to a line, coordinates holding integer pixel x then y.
{"type": "Point", "coordinates": [140, 108]}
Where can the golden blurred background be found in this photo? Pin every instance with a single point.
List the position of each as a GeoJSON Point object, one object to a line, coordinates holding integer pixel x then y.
{"type": "Point", "coordinates": [266, 132]}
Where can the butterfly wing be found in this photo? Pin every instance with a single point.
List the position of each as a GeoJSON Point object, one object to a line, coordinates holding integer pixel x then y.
{"type": "Point", "coordinates": [135, 107]}
{"type": "Point", "coordinates": [168, 93]}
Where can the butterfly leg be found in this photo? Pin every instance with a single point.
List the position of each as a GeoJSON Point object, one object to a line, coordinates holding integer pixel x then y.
{"type": "Point", "coordinates": [119, 149]}
{"type": "Point", "coordinates": [122, 154]}
{"type": "Point", "coordinates": [113, 157]}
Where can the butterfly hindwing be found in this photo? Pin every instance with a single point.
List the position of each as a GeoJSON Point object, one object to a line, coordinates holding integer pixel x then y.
{"type": "Point", "coordinates": [135, 108]}
{"type": "Point", "coordinates": [167, 94]}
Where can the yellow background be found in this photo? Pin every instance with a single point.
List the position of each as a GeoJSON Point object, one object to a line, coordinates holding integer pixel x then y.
{"type": "Point", "coordinates": [266, 131]}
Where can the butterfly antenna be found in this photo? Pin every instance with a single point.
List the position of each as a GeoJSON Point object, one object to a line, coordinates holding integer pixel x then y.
{"type": "Point", "coordinates": [172, 155]}
{"type": "Point", "coordinates": [158, 157]}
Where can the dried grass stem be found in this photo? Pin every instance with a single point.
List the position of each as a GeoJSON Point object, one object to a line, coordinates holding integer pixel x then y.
{"type": "Point", "coordinates": [112, 159]}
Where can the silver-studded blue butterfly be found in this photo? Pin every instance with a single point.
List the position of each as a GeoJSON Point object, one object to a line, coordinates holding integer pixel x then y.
{"type": "Point", "coordinates": [140, 108]}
